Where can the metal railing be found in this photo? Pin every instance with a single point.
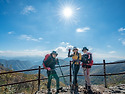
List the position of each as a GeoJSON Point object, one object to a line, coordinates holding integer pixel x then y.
{"type": "Point", "coordinates": [70, 75]}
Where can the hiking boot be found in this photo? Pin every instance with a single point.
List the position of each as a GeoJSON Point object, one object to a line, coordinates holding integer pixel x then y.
{"type": "Point", "coordinates": [85, 86]}
{"type": "Point", "coordinates": [58, 90]}
{"type": "Point", "coordinates": [88, 87]}
{"type": "Point", "coordinates": [49, 91]}
{"type": "Point", "coordinates": [72, 87]}
{"type": "Point", "coordinates": [89, 90]}
{"type": "Point", "coordinates": [76, 90]}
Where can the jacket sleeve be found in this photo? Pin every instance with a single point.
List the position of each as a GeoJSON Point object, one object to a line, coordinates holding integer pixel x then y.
{"type": "Point", "coordinates": [69, 54]}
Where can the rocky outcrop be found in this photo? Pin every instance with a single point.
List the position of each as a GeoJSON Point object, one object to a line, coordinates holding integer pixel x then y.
{"type": "Point", "coordinates": [119, 89]}
{"type": "Point", "coordinates": [96, 89]}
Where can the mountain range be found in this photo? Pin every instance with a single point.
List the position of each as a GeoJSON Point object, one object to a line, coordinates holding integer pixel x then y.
{"type": "Point", "coordinates": [33, 62]}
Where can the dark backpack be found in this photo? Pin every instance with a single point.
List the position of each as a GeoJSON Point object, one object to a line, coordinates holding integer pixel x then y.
{"type": "Point", "coordinates": [85, 59]}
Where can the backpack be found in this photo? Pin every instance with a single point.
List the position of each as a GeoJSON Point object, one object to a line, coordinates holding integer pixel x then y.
{"type": "Point", "coordinates": [90, 62]}
{"type": "Point", "coordinates": [46, 57]}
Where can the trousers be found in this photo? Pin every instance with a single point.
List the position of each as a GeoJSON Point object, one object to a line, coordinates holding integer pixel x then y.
{"type": "Point", "coordinates": [87, 76]}
{"type": "Point", "coordinates": [75, 68]}
{"type": "Point", "coordinates": [52, 74]}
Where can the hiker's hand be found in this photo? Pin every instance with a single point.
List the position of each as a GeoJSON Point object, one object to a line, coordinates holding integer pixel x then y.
{"type": "Point", "coordinates": [69, 50]}
{"type": "Point", "coordinates": [49, 69]}
{"type": "Point", "coordinates": [57, 61]}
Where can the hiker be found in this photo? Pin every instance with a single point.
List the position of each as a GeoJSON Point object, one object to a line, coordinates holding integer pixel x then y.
{"type": "Point", "coordinates": [87, 62]}
{"type": "Point", "coordinates": [76, 58]}
{"type": "Point", "coordinates": [49, 64]}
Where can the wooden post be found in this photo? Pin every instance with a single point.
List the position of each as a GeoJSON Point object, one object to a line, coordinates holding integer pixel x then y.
{"type": "Point", "coordinates": [39, 78]}
{"type": "Point", "coordinates": [70, 75]}
{"type": "Point", "coordinates": [105, 74]}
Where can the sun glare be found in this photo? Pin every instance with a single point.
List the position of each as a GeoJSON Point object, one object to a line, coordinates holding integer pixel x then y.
{"type": "Point", "coordinates": [67, 12]}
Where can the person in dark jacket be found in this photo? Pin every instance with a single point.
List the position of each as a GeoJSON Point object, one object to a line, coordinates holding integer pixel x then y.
{"type": "Point", "coordinates": [49, 64]}
{"type": "Point", "coordinates": [76, 58]}
{"type": "Point", "coordinates": [87, 62]}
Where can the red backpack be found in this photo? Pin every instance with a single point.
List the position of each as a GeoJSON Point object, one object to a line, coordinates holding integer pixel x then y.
{"type": "Point", "coordinates": [46, 57]}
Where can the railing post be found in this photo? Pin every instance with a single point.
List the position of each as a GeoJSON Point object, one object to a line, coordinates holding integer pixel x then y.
{"type": "Point", "coordinates": [70, 75]}
{"type": "Point", "coordinates": [105, 74]}
{"type": "Point", "coordinates": [39, 78]}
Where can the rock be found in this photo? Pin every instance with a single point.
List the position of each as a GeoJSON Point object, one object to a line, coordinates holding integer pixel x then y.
{"type": "Point", "coordinates": [53, 90]}
{"type": "Point", "coordinates": [120, 88]}
{"type": "Point", "coordinates": [117, 91]}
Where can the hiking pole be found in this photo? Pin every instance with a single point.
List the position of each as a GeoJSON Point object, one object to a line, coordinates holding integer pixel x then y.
{"type": "Point", "coordinates": [63, 75]}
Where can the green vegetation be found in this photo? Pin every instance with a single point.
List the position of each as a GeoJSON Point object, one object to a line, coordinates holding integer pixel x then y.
{"type": "Point", "coordinates": [116, 80]}
{"type": "Point", "coordinates": [27, 88]}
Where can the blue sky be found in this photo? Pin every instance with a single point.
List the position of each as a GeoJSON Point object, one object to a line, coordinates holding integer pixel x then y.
{"type": "Point", "coordinates": [36, 27]}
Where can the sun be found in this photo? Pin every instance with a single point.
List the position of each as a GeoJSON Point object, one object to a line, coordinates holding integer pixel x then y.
{"type": "Point", "coordinates": [67, 12]}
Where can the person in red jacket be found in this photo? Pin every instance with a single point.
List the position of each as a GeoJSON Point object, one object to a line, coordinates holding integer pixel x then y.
{"type": "Point", "coordinates": [87, 62]}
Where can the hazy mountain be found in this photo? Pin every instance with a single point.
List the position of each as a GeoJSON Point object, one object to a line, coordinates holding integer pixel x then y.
{"type": "Point", "coordinates": [16, 64]}
{"type": "Point", "coordinates": [3, 68]}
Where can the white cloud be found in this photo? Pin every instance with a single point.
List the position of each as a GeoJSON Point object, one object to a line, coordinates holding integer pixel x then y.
{"type": "Point", "coordinates": [11, 32]}
{"type": "Point", "coordinates": [64, 43]}
{"type": "Point", "coordinates": [30, 38]}
{"type": "Point", "coordinates": [64, 46]}
{"type": "Point", "coordinates": [122, 40]}
{"type": "Point", "coordinates": [62, 53]}
{"type": "Point", "coordinates": [62, 50]}
{"type": "Point", "coordinates": [121, 29]}
{"type": "Point", "coordinates": [40, 38]}
{"type": "Point", "coordinates": [84, 29]}
{"type": "Point", "coordinates": [28, 10]}
{"type": "Point", "coordinates": [112, 52]}
{"type": "Point", "coordinates": [33, 52]}
{"type": "Point", "coordinates": [108, 57]}
{"type": "Point", "coordinates": [77, 8]}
